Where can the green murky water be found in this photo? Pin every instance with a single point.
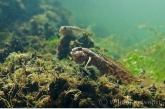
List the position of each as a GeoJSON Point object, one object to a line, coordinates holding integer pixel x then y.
{"type": "Point", "coordinates": [118, 17]}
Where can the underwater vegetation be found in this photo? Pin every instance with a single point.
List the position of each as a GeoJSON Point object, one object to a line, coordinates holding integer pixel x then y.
{"type": "Point", "coordinates": [32, 25]}
{"type": "Point", "coordinates": [45, 63]}
{"type": "Point", "coordinates": [149, 60]}
{"type": "Point", "coordinates": [31, 80]}
{"type": "Point", "coordinates": [16, 11]}
{"type": "Point", "coordinates": [38, 79]}
{"type": "Point", "coordinates": [144, 57]}
{"type": "Point", "coordinates": [4, 35]}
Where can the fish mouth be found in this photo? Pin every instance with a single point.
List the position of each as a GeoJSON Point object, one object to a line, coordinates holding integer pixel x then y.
{"type": "Point", "coordinates": [78, 56]}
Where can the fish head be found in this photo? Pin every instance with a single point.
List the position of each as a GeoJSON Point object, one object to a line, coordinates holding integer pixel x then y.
{"type": "Point", "coordinates": [65, 30]}
{"type": "Point", "coordinates": [78, 56]}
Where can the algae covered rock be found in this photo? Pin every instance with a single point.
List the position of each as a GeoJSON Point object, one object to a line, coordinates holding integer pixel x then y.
{"type": "Point", "coordinates": [32, 80]}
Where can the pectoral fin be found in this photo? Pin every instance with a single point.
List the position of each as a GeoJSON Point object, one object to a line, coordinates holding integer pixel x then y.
{"type": "Point", "coordinates": [88, 61]}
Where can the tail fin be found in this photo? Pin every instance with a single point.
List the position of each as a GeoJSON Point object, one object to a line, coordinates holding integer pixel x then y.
{"type": "Point", "coordinates": [88, 31]}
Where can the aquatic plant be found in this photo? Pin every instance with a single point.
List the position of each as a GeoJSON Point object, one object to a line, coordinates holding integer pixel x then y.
{"type": "Point", "coordinates": [4, 35]}
{"type": "Point", "coordinates": [111, 46]}
{"type": "Point", "coordinates": [53, 41]}
{"type": "Point", "coordinates": [148, 59]}
{"type": "Point", "coordinates": [145, 58]}
{"type": "Point", "coordinates": [35, 80]}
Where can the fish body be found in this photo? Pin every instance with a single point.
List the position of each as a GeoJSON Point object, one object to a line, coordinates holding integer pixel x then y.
{"type": "Point", "coordinates": [68, 30]}
{"type": "Point", "coordinates": [116, 69]}
{"type": "Point", "coordinates": [73, 31]}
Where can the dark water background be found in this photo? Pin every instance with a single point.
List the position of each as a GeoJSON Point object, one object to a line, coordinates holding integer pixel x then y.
{"type": "Point", "coordinates": [118, 17]}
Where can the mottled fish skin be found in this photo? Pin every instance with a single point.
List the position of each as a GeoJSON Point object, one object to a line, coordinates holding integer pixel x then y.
{"type": "Point", "coordinates": [68, 30]}
{"type": "Point", "coordinates": [104, 65]}
{"type": "Point", "coordinates": [74, 31]}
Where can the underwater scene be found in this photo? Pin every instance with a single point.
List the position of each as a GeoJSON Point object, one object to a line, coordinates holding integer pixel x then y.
{"type": "Point", "coordinates": [82, 53]}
